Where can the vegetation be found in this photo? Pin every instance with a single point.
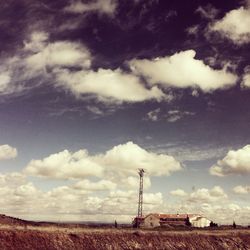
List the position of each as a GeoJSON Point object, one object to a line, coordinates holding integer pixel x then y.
{"type": "Point", "coordinates": [20, 234]}
{"type": "Point", "coordinates": [212, 224]}
{"type": "Point", "coordinates": [188, 223]}
{"type": "Point", "coordinates": [58, 238]}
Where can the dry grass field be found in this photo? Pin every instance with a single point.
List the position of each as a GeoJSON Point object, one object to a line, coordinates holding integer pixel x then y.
{"type": "Point", "coordinates": [25, 235]}
{"type": "Point", "coordinates": [52, 237]}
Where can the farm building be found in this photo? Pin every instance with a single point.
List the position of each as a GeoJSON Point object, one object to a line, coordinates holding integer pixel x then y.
{"type": "Point", "coordinates": [151, 221]}
{"type": "Point", "coordinates": [156, 220]}
{"type": "Point", "coordinates": [200, 221]}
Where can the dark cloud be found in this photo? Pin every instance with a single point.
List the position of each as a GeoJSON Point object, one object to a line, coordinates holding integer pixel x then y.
{"type": "Point", "coordinates": [138, 29]}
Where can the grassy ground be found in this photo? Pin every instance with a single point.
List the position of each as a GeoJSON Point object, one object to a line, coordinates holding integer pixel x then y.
{"type": "Point", "coordinates": [52, 237]}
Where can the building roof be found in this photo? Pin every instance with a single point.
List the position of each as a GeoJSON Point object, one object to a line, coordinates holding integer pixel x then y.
{"type": "Point", "coordinates": [172, 216]}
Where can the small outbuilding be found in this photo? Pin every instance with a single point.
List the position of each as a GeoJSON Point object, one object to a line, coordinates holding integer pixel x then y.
{"type": "Point", "coordinates": [200, 221]}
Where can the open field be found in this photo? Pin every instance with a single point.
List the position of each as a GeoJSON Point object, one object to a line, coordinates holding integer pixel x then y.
{"type": "Point", "coordinates": [53, 237]}
{"type": "Point", "coordinates": [27, 235]}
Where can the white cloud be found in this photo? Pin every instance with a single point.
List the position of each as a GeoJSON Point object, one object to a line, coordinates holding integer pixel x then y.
{"type": "Point", "coordinates": [223, 212]}
{"type": "Point", "coordinates": [234, 25]}
{"type": "Point", "coordinates": [9, 69]}
{"type": "Point", "coordinates": [175, 115]}
{"type": "Point", "coordinates": [95, 110]}
{"type": "Point", "coordinates": [27, 189]}
{"type": "Point", "coordinates": [5, 80]}
{"type": "Point", "coordinates": [54, 61]}
{"type": "Point", "coordinates": [102, 6]}
{"type": "Point", "coordinates": [43, 54]}
{"type": "Point", "coordinates": [20, 197]}
{"type": "Point", "coordinates": [246, 78]}
{"type": "Point", "coordinates": [212, 203]}
{"type": "Point", "coordinates": [193, 30]}
{"type": "Point", "coordinates": [112, 85]}
{"type": "Point", "coordinates": [39, 57]}
{"type": "Point", "coordinates": [95, 186]}
{"type": "Point", "coordinates": [81, 201]}
{"type": "Point", "coordinates": [132, 182]}
{"type": "Point", "coordinates": [171, 116]}
{"type": "Point", "coordinates": [153, 115]}
{"type": "Point", "coordinates": [182, 70]}
{"type": "Point", "coordinates": [187, 152]}
{"type": "Point", "coordinates": [119, 163]}
{"type": "Point", "coordinates": [37, 42]}
{"type": "Point", "coordinates": [235, 162]}
{"type": "Point", "coordinates": [125, 202]}
{"type": "Point", "coordinates": [129, 157]}
{"type": "Point", "coordinates": [7, 152]}
{"type": "Point", "coordinates": [195, 93]}
{"type": "Point", "coordinates": [242, 189]}
{"type": "Point", "coordinates": [65, 165]}
{"type": "Point", "coordinates": [153, 198]}
{"type": "Point", "coordinates": [70, 24]}
{"type": "Point", "coordinates": [208, 11]}
{"type": "Point", "coordinates": [65, 53]}
{"type": "Point", "coordinates": [12, 179]}
{"type": "Point", "coordinates": [106, 83]}
{"type": "Point", "coordinates": [234, 207]}
{"type": "Point", "coordinates": [178, 192]}
{"type": "Point", "coordinates": [16, 194]}
{"type": "Point", "coordinates": [207, 195]}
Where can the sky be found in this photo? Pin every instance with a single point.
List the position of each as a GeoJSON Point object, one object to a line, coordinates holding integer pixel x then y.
{"type": "Point", "coordinates": [91, 91]}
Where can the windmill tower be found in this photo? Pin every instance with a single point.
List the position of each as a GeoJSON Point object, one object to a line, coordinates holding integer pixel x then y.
{"type": "Point", "coordinates": [140, 202]}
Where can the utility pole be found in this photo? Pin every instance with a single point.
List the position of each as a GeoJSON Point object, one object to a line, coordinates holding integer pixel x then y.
{"type": "Point", "coordinates": [140, 202]}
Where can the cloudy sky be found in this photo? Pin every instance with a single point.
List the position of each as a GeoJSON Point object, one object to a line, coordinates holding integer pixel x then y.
{"type": "Point", "coordinates": [92, 90]}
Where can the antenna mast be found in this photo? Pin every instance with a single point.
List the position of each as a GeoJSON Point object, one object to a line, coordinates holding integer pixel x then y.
{"type": "Point", "coordinates": [140, 202]}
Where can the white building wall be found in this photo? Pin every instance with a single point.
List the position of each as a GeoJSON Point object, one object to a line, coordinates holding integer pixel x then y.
{"type": "Point", "coordinates": [200, 222]}
{"type": "Point", "coordinates": [151, 221]}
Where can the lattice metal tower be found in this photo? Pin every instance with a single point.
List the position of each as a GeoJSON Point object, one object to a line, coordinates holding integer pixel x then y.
{"type": "Point", "coordinates": [140, 202]}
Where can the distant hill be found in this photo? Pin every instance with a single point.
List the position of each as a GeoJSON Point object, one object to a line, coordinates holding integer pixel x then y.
{"type": "Point", "coordinates": [12, 221]}
{"type": "Point", "coordinates": [7, 220]}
